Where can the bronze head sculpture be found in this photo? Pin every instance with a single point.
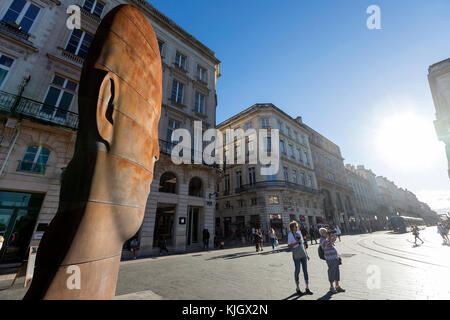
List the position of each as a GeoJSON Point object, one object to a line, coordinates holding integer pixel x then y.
{"type": "Point", "coordinates": [106, 185]}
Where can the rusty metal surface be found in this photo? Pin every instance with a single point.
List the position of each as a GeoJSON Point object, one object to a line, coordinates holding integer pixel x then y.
{"type": "Point", "coordinates": [106, 185]}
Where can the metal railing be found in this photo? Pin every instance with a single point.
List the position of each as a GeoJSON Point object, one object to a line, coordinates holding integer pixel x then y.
{"type": "Point", "coordinates": [13, 30]}
{"type": "Point", "coordinates": [276, 184]}
{"type": "Point", "coordinates": [35, 110]}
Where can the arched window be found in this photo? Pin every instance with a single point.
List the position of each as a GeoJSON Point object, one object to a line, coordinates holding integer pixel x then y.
{"type": "Point", "coordinates": [34, 160]}
{"type": "Point", "coordinates": [168, 183]}
{"type": "Point", "coordinates": [195, 187]}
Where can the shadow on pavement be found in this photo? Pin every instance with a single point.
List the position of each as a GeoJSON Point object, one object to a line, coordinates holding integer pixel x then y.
{"type": "Point", "coordinates": [327, 296]}
{"type": "Point", "coordinates": [247, 254]}
{"type": "Point", "coordinates": [293, 296]}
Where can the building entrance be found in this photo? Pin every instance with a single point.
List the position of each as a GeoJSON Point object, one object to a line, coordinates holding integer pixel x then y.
{"type": "Point", "coordinates": [18, 215]}
{"type": "Point", "coordinates": [164, 224]}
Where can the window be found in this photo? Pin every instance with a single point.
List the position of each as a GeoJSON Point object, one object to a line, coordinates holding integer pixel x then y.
{"type": "Point", "coordinates": [265, 123]}
{"type": "Point", "coordinates": [302, 178]}
{"type": "Point", "coordinates": [307, 204]}
{"type": "Point", "coordinates": [172, 126]}
{"type": "Point", "coordinates": [306, 158]}
{"type": "Point", "coordinates": [279, 125]}
{"type": "Point", "coordinates": [60, 95]}
{"type": "Point", "coordinates": [227, 184]}
{"type": "Point", "coordinates": [331, 176]}
{"type": "Point", "coordinates": [180, 61]}
{"type": "Point", "coordinates": [295, 136]}
{"type": "Point", "coordinates": [286, 174]}
{"type": "Point", "coordinates": [309, 180]}
{"type": "Point", "coordinates": [268, 144]}
{"type": "Point", "coordinates": [254, 201]}
{"type": "Point", "coordinates": [270, 177]}
{"type": "Point", "coordinates": [329, 163]}
{"type": "Point", "coordinates": [79, 43]}
{"type": "Point", "coordinates": [238, 179]}
{"type": "Point", "coordinates": [201, 74]}
{"type": "Point", "coordinates": [274, 200]}
{"type": "Point", "coordinates": [161, 47]}
{"type": "Point", "coordinates": [177, 92]}
{"type": "Point", "coordinates": [288, 131]}
{"type": "Point", "coordinates": [227, 205]}
{"type": "Point", "coordinates": [34, 160]}
{"type": "Point", "coordinates": [299, 155]}
{"type": "Point", "coordinates": [291, 151]}
{"type": "Point", "coordinates": [248, 126]}
{"type": "Point", "coordinates": [282, 147]}
{"type": "Point", "coordinates": [315, 205]}
{"type": "Point", "coordinates": [168, 183]}
{"type": "Point", "coordinates": [199, 103]}
{"type": "Point", "coordinates": [241, 203]}
{"type": "Point", "coordinates": [93, 6]}
{"type": "Point", "coordinates": [22, 12]}
{"type": "Point", "coordinates": [294, 176]}
{"type": "Point", "coordinates": [195, 187]}
{"type": "Point", "coordinates": [5, 66]}
{"type": "Point", "coordinates": [251, 176]}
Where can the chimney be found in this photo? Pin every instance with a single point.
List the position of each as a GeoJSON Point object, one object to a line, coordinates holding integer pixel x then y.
{"type": "Point", "coordinates": [299, 120]}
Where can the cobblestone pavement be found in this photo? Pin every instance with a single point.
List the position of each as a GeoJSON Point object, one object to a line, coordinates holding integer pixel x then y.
{"type": "Point", "coordinates": [377, 266]}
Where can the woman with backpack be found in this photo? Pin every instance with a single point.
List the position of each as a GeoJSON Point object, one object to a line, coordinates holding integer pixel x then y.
{"type": "Point", "coordinates": [299, 255]}
{"type": "Point", "coordinates": [415, 232]}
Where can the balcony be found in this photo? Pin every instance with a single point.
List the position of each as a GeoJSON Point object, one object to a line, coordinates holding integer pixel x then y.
{"type": "Point", "coordinates": [71, 57]}
{"type": "Point", "coordinates": [14, 31]}
{"type": "Point", "coordinates": [276, 184]}
{"type": "Point", "coordinates": [37, 111]}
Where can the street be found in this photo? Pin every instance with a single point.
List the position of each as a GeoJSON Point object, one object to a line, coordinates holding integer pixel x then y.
{"type": "Point", "coordinates": [376, 266]}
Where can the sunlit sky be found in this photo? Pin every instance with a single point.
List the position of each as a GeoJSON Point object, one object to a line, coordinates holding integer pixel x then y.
{"type": "Point", "coordinates": [366, 90]}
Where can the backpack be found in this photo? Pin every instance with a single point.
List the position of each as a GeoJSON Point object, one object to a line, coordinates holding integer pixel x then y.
{"type": "Point", "coordinates": [321, 253]}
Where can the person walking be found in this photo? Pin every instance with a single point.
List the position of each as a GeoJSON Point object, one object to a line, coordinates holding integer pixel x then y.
{"type": "Point", "coordinates": [134, 246]}
{"type": "Point", "coordinates": [415, 232]}
{"type": "Point", "coordinates": [257, 240]}
{"type": "Point", "coordinates": [312, 235]}
{"type": "Point", "coordinates": [261, 239]}
{"type": "Point", "coordinates": [327, 241]}
{"type": "Point", "coordinates": [162, 245]}
{"type": "Point", "coordinates": [338, 233]}
{"type": "Point", "coordinates": [299, 255]}
{"type": "Point", "coordinates": [206, 236]}
{"type": "Point", "coordinates": [284, 233]}
{"type": "Point", "coordinates": [273, 239]}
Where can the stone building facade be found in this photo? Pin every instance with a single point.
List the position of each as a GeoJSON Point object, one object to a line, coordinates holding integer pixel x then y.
{"type": "Point", "coordinates": [40, 65]}
{"type": "Point", "coordinates": [339, 201]}
{"type": "Point", "coordinates": [439, 79]}
{"type": "Point", "coordinates": [246, 198]}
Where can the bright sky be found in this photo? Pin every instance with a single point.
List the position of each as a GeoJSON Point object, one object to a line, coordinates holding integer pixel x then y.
{"type": "Point", "coordinates": [366, 90]}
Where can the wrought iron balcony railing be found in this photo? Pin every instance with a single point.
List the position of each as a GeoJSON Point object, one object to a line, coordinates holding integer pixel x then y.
{"type": "Point", "coordinates": [14, 31]}
{"type": "Point", "coordinates": [37, 111]}
{"type": "Point", "coordinates": [276, 184]}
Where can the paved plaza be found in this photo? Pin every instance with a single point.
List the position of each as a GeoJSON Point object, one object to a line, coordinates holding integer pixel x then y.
{"type": "Point", "coordinates": [376, 266]}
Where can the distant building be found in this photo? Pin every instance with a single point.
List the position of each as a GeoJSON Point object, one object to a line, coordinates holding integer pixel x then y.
{"type": "Point", "coordinates": [248, 199]}
{"type": "Point", "coordinates": [330, 171]}
{"type": "Point", "coordinates": [439, 79]}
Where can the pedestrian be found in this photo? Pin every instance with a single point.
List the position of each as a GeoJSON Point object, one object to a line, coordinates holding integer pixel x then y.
{"type": "Point", "coordinates": [304, 234]}
{"type": "Point", "coordinates": [283, 230]}
{"type": "Point", "coordinates": [257, 240]}
{"type": "Point", "coordinates": [327, 242]}
{"type": "Point", "coordinates": [261, 237]}
{"type": "Point", "coordinates": [162, 245]}
{"type": "Point", "coordinates": [338, 233]}
{"type": "Point", "coordinates": [273, 238]}
{"type": "Point", "coordinates": [299, 255]}
{"type": "Point", "coordinates": [415, 232]}
{"type": "Point", "coordinates": [442, 230]}
{"type": "Point", "coordinates": [312, 235]}
{"type": "Point", "coordinates": [1, 242]}
{"type": "Point", "coordinates": [134, 246]}
{"type": "Point", "coordinates": [206, 236]}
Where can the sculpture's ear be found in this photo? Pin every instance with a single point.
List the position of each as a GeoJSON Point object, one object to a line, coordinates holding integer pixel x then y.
{"type": "Point", "coordinates": [105, 108]}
